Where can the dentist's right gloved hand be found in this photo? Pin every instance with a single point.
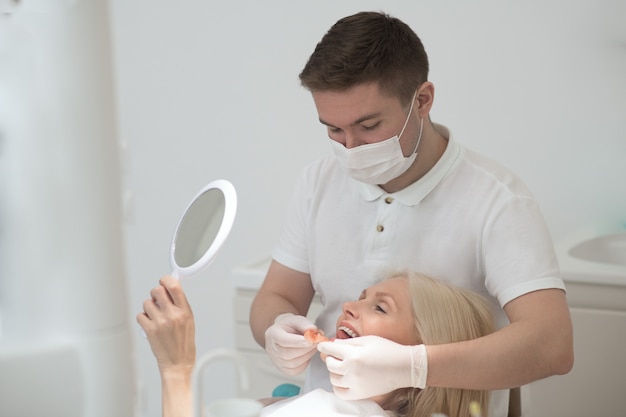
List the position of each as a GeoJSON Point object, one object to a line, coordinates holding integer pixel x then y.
{"type": "Point", "coordinates": [367, 366]}
{"type": "Point", "coordinates": [286, 345]}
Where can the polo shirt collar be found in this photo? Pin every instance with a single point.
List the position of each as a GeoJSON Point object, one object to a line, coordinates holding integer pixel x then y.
{"type": "Point", "coordinates": [414, 193]}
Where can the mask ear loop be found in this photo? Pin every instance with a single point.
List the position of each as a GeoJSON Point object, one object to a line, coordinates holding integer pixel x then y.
{"type": "Point", "coordinates": [408, 116]}
{"type": "Point", "coordinates": [406, 122]}
{"type": "Point", "coordinates": [419, 138]}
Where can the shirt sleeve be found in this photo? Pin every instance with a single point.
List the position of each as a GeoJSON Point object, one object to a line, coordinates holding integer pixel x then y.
{"type": "Point", "coordinates": [519, 252]}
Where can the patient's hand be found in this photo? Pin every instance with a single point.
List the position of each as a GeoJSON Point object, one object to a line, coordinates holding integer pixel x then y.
{"type": "Point", "coordinates": [168, 322]}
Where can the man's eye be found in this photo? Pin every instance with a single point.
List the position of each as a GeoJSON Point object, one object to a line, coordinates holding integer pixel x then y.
{"type": "Point", "coordinates": [371, 127]}
{"type": "Point", "coordinates": [334, 130]}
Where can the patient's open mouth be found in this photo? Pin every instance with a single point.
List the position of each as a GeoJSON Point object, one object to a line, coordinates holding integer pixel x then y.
{"type": "Point", "coordinates": [345, 332]}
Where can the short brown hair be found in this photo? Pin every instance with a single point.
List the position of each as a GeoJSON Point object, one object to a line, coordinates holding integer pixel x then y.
{"type": "Point", "coordinates": [368, 47]}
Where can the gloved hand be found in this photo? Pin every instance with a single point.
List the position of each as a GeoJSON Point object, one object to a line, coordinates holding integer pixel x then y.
{"type": "Point", "coordinates": [366, 366]}
{"type": "Point", "coordinates": [286, 345]}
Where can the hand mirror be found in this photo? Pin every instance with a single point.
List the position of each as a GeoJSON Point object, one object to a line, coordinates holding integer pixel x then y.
{"type": "Point", "coordinates": [203, 228]}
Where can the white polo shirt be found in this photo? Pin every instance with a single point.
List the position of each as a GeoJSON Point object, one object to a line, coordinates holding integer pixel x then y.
{"type": "Point", "coordinates": [468, 221]}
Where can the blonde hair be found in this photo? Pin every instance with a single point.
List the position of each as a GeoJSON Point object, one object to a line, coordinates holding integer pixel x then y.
{"type": "Point", "coordinates": [442, 314]}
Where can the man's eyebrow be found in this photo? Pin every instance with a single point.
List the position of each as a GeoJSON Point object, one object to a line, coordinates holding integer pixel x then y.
{"type": "Point", "coordinates": [356, 122]}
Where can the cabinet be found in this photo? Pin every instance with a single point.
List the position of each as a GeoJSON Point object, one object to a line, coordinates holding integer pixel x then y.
{"type": "Point", "coordinates": [595, 386]}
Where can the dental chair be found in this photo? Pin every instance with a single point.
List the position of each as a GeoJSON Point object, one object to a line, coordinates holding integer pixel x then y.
{"type": "Point", "coordinates": [515, 402]}
{"type": "Point", "coordinates": [282, 390]}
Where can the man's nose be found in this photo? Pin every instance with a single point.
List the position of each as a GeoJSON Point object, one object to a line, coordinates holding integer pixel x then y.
{"type": "Point", "coordinates": [351, 141]}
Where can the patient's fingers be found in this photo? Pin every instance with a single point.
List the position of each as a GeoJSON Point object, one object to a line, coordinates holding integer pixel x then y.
{"type": "Point", "coordinates": [169, 293]}
{"type": "Point", "coordinates": [150, 308]}
{"type": "Point", "coordinates": [167, 307]}
{"type": "Point", "coordinates": [174, 290]}
{"type": "Point", "coordinates": [143, 320]}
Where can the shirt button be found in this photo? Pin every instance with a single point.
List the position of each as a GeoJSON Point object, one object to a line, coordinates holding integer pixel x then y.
{"type": "Point", "coordinates": [380, 228]}
{"type": "Point", "coordinates": [388, 200]}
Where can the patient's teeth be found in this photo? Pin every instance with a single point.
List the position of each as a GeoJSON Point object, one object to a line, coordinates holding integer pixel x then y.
{"type": "Point", "coordinates": [348, 331]}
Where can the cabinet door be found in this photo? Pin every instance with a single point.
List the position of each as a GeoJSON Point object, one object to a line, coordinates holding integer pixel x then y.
{"type": "Point", "coordinates": [596, 384]}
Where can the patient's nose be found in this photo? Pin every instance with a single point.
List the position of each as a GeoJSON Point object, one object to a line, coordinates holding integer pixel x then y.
{"type": "Point", "coordinates": [350, 309]}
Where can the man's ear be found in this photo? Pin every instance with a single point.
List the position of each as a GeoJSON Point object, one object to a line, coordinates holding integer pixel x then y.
{"type": "Point", "coordinates": [425, 97]}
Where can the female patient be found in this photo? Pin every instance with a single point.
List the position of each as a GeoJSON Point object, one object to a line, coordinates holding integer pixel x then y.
{"type": "Point", "coordinates": [405, 307]}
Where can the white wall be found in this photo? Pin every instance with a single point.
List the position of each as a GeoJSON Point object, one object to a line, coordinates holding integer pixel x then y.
{"type": "Point", "coordinates": [209, 90]}
{"type": "Point", "coordinates": [65, 339]}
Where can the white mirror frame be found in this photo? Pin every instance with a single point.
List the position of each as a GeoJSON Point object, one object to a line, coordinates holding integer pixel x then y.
{"type": "Point", "coordinates": [230, 198]}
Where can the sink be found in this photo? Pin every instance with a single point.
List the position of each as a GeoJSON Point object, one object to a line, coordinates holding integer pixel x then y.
{"type": "Point", "coordinates": [609, 249]}
{"type": "Point", "coordinates": [593, 256]}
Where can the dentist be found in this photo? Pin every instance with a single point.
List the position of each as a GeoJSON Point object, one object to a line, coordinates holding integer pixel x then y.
{"type": "Point", "coordinates": [398, 190]}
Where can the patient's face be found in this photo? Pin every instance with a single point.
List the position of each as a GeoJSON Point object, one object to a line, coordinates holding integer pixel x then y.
{"type": "Point", "coordinates": [382, 310]}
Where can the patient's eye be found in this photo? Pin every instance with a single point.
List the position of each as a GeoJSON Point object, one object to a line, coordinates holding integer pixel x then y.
{"type": "Point", "coordinates": [380, 308]}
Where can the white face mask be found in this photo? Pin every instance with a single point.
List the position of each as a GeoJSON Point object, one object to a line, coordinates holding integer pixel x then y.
{"type": "Point", "coordinates": [380, 162]}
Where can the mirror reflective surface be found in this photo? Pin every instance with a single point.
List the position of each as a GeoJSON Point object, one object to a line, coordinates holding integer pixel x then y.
{"type": "Point", "coordinates": [203, 228]}
{"type": "Point", "coordinates": [199, 227]}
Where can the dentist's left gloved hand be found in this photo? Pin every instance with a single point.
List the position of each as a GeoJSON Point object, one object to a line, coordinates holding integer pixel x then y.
{"type": "Point", "coordinates": [367, 366]}
{"type": "Point", "coordinates": [286, 345]}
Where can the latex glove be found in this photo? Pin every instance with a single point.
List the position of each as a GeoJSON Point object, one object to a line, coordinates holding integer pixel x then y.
{"type": "Point", "coordinates": [286, 345]}
{"type": "Point", "coordinates": [367, 366]}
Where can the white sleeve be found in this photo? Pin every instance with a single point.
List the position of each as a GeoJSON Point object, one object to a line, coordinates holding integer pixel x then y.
{"type": "Point", "coordinates": [518, 251]}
